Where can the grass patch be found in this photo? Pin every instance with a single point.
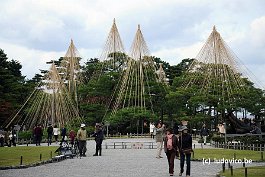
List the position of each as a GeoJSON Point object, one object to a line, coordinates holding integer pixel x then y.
{"type": "Point", "coordinates": [10, 156]}
{"type": "Point", "coordinates": [257, 171]}
{"type": "Point", "coordinates": [226, 154]}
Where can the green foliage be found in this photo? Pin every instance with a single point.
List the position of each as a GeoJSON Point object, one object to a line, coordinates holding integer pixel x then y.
{"type": "Point", "coordinates": [13, 87]}
{"type": "Point", "coordinates": [25, 135]}
{"type": "Point", "coordinates": [172, 103]}
{"type": "Point", "coordinates": [129, 118]}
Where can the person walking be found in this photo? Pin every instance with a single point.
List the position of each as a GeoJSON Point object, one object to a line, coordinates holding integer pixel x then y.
{"type": "Point", "coordinates": [56, 133]}
{"type": "Point", "coordinates": [6, 137]}
{"type": "Point", "coordinates": [81, 137]}
{"type": "Point", "coordinates": [63, 134]}
{"type": "Point", "coordinates": [204, 133]}
{"type": "Point", "coordinates": [159, 139]}
{"type": "Point", "coordinates": [49, 132]}
{"type": "Point", "coordinates": [185, 144]}
{"type": "Point", "coordinates": [38, 134]}
{"type": "Point", "coordinates": [72, 137]}
{"type": "Point", "coordinates": [151, 129]}
{"type": "Point", "coordinates": [98, 134]}
{"type": "Point", "coordinates": [2, 137]}
{"type": "Point", "coordinates": [171, 146]}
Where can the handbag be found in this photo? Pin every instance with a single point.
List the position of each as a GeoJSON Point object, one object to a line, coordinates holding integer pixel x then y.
{"type": "Point", "coordinates": [187, 151]}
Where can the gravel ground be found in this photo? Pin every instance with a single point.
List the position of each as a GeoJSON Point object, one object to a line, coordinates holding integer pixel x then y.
{"type": "Point", "coordinates": [116, 163]}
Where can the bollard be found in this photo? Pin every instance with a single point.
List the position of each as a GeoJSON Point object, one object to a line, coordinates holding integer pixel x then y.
{"type": "Point", "coordinates": [246, 172]}
{"type": "Point", "coordinates": [261, 154]}
{"type": "Point", "coordinates": [231, 171]}
{"type": "Point", "coordinates": [40, 157]}
{"type": "Point", "coordinates": [21, 160]}
{"type": "Point", "coordinates": [223, 165]}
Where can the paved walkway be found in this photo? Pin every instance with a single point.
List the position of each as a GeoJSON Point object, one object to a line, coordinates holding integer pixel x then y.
{"type": "Point", "coordinates": [114, 163]}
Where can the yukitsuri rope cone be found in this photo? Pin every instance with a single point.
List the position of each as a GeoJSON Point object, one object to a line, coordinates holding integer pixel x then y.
{"type": "Point", "coordinates": [133, 90]}
{"type": "Point", "coordinates": [70, 70]}
{"type": "Point", "coordinates": [217, 73]}
{"type": "Point", "coordinates": [52, 100]}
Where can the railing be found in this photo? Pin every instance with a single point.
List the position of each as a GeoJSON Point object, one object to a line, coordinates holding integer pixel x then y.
{"type": "Point", "coordinates": [130, 145]}
{"type": "Point", "coordinates": [238, 146]}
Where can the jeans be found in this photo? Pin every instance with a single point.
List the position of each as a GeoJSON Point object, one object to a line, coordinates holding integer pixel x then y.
{"type": "Point", "coordinates": [171, 157]}
{"type": "Point", "coordinates": [38, 140]}
{"type": "Point", "coordinates": [182, 160]}
{"type": "Point", "coordinates": [49, 139]}
{"type": "Point", "coordinates": [98, 147]}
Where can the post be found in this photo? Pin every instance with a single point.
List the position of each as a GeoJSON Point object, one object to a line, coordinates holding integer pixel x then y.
{"type": "Point", "coordinates": [137, 126]}
{"type": "Point", "coordinates": [223, 165]}
{"type": "Point", "coordinates": [246, 172]}
{"type": "Point", "coordinates": [193, 146]}
{"type": "Point", "coordinates": [231, 168]}
{"type": "Point", "coordinates": [21, 160]}
{"type": "Point", "coordinates": [225, 134]}
{"type": "Point", "coordinates": [244, 164]}
{"type": "Point", "coordinates": [40, 157]}
{"type": "Point", "coordinates": [107, 131]}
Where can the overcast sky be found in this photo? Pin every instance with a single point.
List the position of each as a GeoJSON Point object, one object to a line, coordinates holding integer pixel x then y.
{"type": "Point", "coordinates": [34, 32]}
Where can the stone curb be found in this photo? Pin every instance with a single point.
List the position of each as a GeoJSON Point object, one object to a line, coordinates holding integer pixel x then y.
{"type": "Point", "coordinates": [53, 160]}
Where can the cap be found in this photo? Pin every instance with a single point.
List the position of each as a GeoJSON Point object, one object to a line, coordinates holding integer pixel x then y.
{"type": "Point", "coordinates": [82, 125]}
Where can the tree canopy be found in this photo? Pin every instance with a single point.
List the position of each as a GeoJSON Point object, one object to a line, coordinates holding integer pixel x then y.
{"type": "Point", "coordinates": [169, 103]}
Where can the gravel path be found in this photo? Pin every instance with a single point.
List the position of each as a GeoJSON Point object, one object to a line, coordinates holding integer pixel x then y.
{"type": "Point", "coordinates": [115, 163]}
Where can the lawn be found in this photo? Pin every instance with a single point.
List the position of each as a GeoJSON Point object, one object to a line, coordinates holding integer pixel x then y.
{"type": "Point", "coordinates": [258, 171]}
{"type": "Point", "coordinates": [227, 154]}
{"type": "Point", "coordinates": [10, 156]}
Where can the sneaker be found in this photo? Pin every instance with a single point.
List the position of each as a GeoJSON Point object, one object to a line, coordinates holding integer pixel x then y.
{"type": "Point", "coordinates": [171, 174]}
{"type": "Point", "coordinates": [95, 155]}
{"type": "Point", "coordinates": [160, 157]}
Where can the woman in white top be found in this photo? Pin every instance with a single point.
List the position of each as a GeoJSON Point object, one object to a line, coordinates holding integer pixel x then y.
{"type": "Point", "coordinates": [56, 133]}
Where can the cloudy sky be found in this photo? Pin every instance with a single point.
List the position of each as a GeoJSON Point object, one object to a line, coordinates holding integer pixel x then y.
{"type": "Point", "coordinates": [34, 32]}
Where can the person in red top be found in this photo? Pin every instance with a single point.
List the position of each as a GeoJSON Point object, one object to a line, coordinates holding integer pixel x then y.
{"type": "Point", "coordinates": [171, 146]}
{"type": "Point", "coordinates": [38, 134]}
{"type": "Point", "coordinates": [72, 136]}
